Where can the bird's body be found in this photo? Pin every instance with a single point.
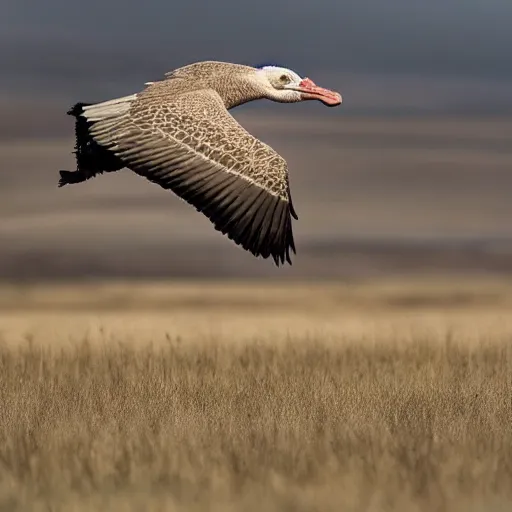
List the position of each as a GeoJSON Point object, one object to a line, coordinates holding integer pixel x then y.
{"type": "Point", "coordinates": [178, 133]}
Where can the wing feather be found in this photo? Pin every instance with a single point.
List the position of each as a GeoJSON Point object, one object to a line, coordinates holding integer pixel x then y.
{"type": "Point", "coordinates": [195, 148]}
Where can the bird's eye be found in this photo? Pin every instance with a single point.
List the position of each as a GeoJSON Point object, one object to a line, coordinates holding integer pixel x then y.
{"type": "Point", "coordinates": [284, 79]}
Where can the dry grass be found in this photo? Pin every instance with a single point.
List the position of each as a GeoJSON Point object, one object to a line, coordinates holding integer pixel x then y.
{"type": "Point", "coordinates": [350, 420]}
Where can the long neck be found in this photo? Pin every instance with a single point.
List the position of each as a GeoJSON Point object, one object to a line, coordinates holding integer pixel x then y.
{"type": "Point", "coordinates": [236, 89]}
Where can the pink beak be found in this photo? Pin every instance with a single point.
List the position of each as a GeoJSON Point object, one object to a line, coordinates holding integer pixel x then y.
{"type": "Point", "coordinates": [311, 91]}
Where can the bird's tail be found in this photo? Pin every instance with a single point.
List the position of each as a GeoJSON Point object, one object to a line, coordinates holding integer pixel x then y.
{"type": "Point", "coordinates": [81, 140]}
{"type": "Point", "coordinates": [69, 177]}
{"type": "Point", "coordinates": [91, 158]}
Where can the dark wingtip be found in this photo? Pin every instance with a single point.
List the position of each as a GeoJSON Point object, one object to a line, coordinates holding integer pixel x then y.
{"type": "Point", "coordinates": [281, 259]}
{"type": "Point", "coordinates": [253, 218]}
{"type": "Point", "coordinates": [292, 209]}
{"type": "Point", "coordinates": [77, 109]}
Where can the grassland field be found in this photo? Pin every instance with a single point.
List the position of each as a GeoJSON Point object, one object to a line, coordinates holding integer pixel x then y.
{"type": "Point", "coordinates": [246, 396]}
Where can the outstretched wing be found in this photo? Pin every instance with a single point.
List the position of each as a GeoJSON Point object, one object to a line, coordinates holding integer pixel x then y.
{"type": "Point", "coordinates": [191, 145]}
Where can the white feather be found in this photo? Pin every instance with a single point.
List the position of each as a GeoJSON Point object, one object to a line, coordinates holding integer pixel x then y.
{"type": "Point", "coordinates": [106, 109]}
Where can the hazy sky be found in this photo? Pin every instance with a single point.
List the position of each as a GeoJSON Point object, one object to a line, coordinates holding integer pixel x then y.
{"type": "Point", "coordinates": [378, 178]}
{"type": "Point", "coordinates": [388, 180]}
{"type": "Point", "coordinates": [458, 48]}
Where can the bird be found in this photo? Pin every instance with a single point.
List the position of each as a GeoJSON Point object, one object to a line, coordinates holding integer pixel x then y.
{"type": "Point", "coordinates": [177, 133]}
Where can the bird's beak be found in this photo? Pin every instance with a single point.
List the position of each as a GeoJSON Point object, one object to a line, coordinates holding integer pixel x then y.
{"type": "Point", "coordinates": [311, 91]}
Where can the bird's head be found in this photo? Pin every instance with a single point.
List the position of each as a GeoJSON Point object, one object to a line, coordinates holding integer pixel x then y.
{"type": "Point", "coordinates": [286, 86]}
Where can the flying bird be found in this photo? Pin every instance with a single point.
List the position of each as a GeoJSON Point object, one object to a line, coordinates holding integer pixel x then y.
{"type": "Point", "coordinates": [178, 133]}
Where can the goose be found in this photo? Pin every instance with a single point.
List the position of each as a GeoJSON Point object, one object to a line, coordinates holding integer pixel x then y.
{"type": "Point", "coordinates": [177, 132]}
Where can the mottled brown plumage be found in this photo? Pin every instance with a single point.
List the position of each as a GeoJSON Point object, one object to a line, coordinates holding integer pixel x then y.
{"type": "Point", "coordinates": [178, 133]}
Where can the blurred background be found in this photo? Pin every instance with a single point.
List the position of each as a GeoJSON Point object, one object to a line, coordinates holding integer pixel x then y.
{"type": "Point", "coordinates": [412, 174]}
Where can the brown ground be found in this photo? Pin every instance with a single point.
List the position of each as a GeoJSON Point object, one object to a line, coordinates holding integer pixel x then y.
{"type": "Point", "coordinates": [357, 397]}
